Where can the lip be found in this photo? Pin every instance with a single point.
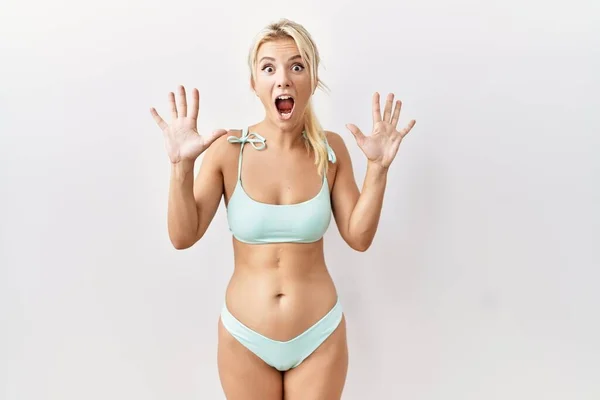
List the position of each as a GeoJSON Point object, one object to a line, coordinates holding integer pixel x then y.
{"type": "Point", "coordinates": [284, 94]}
{"type": "Point", "coordinates": [293, 107]}
{"type": "Point", "coordinates": [279, 115]}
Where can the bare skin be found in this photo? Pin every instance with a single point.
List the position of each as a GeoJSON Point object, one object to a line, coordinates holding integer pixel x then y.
{"type": "Point", "coordinates": [288, 283]}
{"type": "Point", "coordinates": [279, 290]}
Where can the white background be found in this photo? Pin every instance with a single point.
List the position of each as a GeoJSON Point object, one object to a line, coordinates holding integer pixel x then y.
{"type": "Point", "coordinates": [482, 282]}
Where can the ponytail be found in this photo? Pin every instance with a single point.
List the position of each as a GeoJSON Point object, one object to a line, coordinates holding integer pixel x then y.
{"type": "Point", "coordinates": [316, 139]}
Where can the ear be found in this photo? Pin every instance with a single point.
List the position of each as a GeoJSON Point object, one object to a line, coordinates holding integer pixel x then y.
{"type": "Point", "coordinates": [252, 84]}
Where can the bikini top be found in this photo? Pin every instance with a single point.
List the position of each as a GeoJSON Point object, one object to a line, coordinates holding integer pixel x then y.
{"type": "Point", "coordinates": [255, 222]}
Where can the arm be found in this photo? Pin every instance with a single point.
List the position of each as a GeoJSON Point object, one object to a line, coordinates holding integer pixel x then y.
{"type": "Point", "coordinates": [356, 213]}
{"type": "Point", "coordinates": [192, 205]}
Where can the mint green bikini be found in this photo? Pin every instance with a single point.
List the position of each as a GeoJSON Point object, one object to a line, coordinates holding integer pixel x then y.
{"type": "Point", "coordinates": [254, 222]}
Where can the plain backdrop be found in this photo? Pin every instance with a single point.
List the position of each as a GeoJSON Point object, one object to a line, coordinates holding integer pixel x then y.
{"type": "Point", "coordinates": [482, 282]}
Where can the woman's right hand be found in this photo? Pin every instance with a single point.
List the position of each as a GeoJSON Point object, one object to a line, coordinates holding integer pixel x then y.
{"type": "Point", "coordinates": [182, 140]}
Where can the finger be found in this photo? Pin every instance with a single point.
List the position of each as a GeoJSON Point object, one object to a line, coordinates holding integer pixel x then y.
{"type": "Point", "coordinates": [356, 132]}
{"type": "Point", "coordinates": [173, 105]}
{"type": "Point", "coordinates": [376, 109]}
{"type": "Point", "coordinates": [161, 123]}
{"type": "Point", "coordinates": [214, 135]}
{"type": "Point", "coordinates": [195, 102]}
{"type": "Point", "coordinates": [396, 115]}
{"type": "Point", "coordinates": [182, 102]}
{"type": "Point", "coordinates": [408, 128]}
{"type": "Point", "coordinates": [387, 112]}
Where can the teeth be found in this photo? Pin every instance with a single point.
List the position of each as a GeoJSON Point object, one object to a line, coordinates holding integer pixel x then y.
{"type": "Point", "coordinates": [285, 97]}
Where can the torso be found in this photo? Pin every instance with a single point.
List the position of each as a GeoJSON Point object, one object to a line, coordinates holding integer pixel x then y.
{"type": "Point", "coordinates": [277, 289]}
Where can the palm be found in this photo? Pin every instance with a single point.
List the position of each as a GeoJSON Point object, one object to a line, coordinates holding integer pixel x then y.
{"type": "Point", "coordinates": [182, 140]}
{"type": "Point", "coordinates": [382, 145]}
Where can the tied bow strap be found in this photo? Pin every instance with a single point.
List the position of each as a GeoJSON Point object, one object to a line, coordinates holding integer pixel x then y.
{"type": "Point", "coordinates": [330, 152]}
{"type": "Point", "coordinates": [257, 141]}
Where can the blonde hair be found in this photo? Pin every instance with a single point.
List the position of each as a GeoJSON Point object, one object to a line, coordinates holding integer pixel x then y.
{"type": "Point", "coordinates": [285, 29]}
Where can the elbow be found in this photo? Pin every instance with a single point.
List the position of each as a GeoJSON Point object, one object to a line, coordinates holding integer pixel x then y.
{"type": "Point", "coordinates": [361, 247]}
{"type": "Point", "coordinates": [181, 243]}
{"type": "Point", "coordinates": [361, 244]}
{"type": "Point", "coordinates": [181, 240]}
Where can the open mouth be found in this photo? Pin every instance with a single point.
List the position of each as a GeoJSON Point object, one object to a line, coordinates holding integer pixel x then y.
{"type": "Point", "coordinates": [285, 106]}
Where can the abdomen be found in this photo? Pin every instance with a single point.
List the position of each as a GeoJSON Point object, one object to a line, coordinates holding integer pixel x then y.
{"type": "Point", "coordinates": [280, 290]}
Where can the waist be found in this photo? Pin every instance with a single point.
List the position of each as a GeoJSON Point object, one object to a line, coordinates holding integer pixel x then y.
{"type": "Point", "coordinates": [279, 295]}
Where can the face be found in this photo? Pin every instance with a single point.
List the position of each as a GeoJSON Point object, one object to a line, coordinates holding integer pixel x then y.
{"type": "Point", "coordinates": [282, 82]}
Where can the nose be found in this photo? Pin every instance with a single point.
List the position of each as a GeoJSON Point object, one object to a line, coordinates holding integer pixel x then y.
{"type": "Point", "coordinates": [283, 79]}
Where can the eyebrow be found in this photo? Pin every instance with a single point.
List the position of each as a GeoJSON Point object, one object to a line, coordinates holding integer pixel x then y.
{"type": "Point", "coordinates": [290, 59]}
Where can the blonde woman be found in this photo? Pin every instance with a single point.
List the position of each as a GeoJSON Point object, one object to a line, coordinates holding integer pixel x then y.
{"type": "Point", "coordinates": [282, 331]}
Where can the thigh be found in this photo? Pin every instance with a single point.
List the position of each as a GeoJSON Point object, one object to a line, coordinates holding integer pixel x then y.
{"type": "Point", "coordinates": [243, 375]}
{"type": "Point", "coordinates": [322, 375]}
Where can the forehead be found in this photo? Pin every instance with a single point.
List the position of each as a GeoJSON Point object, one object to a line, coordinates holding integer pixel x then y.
{"type": "Point", "coordinates": [279, 49]}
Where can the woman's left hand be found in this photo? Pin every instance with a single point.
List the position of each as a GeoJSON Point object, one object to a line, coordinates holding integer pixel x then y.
{"type": "Point", "coordinates": [382, 145]}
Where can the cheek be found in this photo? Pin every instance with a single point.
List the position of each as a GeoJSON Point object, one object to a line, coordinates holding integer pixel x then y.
{"type": "Point", "coordinates": [263, 90]}
{"type": "Point", "coordinates": [302, 84]}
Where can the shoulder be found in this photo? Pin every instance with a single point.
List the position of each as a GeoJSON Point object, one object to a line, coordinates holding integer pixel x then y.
{"type": "Point", "coordinates": [337, 144]}
{"type": "Point", "coordinates": [222, 145]}
{"type": "Point", "coordinates": [221, 150]}
{"type": "Point", "coordinates": [334, 139]}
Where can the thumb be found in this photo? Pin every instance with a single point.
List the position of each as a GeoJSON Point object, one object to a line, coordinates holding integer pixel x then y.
{"type": "Point", "coordinates": [210, 138]}
{"type": "Point", "coordinates": [358, 135]}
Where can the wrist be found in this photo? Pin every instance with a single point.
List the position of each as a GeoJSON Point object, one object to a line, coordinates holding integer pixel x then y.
{"type": "Point", "coordinates": [376, 168]}
{"type": "Point", "coordinates": [180, 170]}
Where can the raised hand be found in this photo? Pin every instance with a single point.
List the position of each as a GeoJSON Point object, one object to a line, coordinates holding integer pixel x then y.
{"type": "Point", "coordinates": [382, 145]}
{"type": "Point", "coordinates": [182, 140]}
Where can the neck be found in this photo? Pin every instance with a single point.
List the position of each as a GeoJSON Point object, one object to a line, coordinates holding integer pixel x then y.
{"type": "Point", "coordinates": [279, 137]}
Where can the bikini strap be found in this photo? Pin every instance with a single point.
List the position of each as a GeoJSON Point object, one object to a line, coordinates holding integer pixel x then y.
{"type": "Point", "coordinates": [256, 140]}
{"type": "Point", "coordinates": [330, 153]}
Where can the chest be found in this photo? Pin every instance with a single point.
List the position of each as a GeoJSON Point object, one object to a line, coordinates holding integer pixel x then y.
{"type": "Point", "coordinates": [274, 178]}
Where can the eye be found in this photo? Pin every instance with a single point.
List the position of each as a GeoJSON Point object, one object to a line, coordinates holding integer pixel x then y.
{"type": "Point", "coordinates": [267, 68]}
{"type": "Point", "coordinates": [298, 67]}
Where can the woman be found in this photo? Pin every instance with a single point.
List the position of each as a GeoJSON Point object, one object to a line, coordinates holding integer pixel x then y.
{"type": "Point", "coordinates": [282, 332]}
